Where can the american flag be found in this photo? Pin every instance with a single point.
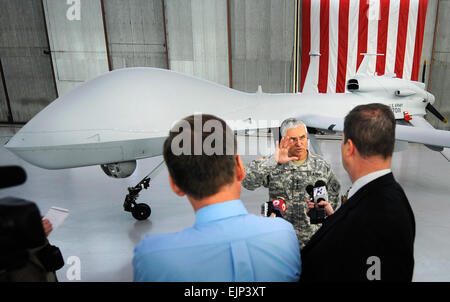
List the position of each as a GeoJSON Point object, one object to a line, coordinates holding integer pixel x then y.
{"type": "Point", "coordinates": [342, 30]}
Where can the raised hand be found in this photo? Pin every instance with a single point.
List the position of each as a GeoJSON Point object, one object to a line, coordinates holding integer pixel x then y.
{"type": "Point", "coordinates": [281, 154]}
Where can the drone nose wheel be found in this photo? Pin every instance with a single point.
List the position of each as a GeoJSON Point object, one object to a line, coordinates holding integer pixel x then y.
{"type": "Point", "coordinates": [141, 211]}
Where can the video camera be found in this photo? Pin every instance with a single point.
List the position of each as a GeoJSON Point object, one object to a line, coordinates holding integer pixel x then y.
{"type": "Point", "coordinates": [21, 229]}
{"type": "Point", "coordinates": [318, 193]}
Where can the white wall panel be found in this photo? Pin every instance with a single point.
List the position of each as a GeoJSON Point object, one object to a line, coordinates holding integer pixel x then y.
{"type": "Point", "coordinates": [135, 31]}
{"type": "Point", "coordinates": [25, 60]}
{"type": "Point", "coordinates": [262, 41]}
{"type": "Point", "coordinates": [440, 72]}
{"type": "Point", "coordinates": [198, 38]}
{"type": "Point", "coordinates": [78, 46]}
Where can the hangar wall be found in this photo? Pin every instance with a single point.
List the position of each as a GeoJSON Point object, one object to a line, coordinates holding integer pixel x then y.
{"type": "Point", "coordinates": [439, 84]}
{"type": "Point", "coordinates": [262, 39]}
{"type": "Point", "coordinates": [77, 41]}
{"type": "Point", "coordinates": [243, 43]}
{"type": "Point", "coordinates": [427, 46]}
{"type": "Point", "coordinates": [27, 84]}
{"type": "Point", "coordinates": [197, 38]}
{"type": "Point", "coordinates": [135, 33]}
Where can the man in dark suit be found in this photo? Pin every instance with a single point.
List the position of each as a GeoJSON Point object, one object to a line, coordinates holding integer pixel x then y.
{"type": "Point", "coordinates": [371, 236]}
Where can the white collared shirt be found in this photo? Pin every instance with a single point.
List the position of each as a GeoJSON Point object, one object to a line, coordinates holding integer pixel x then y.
{"type": "Point", "coordinates": [362, 181]}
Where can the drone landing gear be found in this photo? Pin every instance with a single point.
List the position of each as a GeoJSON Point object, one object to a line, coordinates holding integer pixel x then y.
{"type": "Point", "coordinates": [140, 211]}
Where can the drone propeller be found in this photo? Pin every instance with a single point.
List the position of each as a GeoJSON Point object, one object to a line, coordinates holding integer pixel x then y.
{"type": "Point", "coordinates": [436, 113]}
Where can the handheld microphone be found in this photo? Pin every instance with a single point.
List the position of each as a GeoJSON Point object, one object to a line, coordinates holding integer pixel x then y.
{"type": "Point", "coordinates": [277, 206]}
{"type": "Point", "coordinates": [310, 190]}
{"type": "Point", "coordinates": [12, 176]}
{"type": "Point", "coordinates": [320, 183]}
{"type": "Point", "coordinates": [317, 193]}
{"type": "Point", "coordinates": [320, 191]}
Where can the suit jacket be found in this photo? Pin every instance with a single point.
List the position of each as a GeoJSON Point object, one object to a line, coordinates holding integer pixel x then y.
{"type": "Point", "coordinates": [376, 221]}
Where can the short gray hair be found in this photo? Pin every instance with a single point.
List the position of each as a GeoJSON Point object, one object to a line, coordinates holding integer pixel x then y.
{"type": "Point", "coordinates": [291, 123]}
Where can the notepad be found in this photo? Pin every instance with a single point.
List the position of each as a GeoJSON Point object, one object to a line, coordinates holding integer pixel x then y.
{"type": "Point", "coordinates": [56, 216]}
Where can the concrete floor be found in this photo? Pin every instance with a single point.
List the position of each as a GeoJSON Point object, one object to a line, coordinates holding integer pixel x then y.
{"type": "Point", "coordinates": [103, 236]}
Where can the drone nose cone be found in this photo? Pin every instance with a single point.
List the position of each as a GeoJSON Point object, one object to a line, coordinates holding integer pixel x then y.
{"type": "Point", "coordinates": [24, 139]}
{"type": "Point", "coordinates": [14, 143]}
{"type": "Point", "coordinates": [21, 146]}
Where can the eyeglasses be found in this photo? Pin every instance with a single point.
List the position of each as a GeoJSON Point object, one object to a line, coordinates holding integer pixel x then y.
{"type": "Point", "coordinates": [296, 139]}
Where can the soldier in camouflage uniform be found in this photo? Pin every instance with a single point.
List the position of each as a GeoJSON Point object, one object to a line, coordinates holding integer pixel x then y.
{"type": "Point", "coordinates": [287, 173]}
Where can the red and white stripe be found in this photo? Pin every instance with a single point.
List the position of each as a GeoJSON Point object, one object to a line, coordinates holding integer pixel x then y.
{"type": "Point", "coordinates": [341, 30]}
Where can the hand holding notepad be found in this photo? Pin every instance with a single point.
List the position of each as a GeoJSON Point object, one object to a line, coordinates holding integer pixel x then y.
{"type": "Point", "coordinates": [56, 216]}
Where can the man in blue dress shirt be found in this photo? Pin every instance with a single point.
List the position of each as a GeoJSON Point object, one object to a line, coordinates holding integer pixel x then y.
{"type": "Point", "coordinates": [226, 243]}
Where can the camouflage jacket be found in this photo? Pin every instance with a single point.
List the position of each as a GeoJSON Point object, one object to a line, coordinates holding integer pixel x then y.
{"type": "Point", "coordinates": [290, 181]}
